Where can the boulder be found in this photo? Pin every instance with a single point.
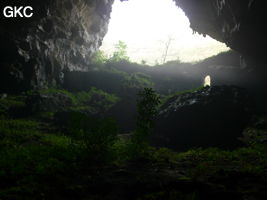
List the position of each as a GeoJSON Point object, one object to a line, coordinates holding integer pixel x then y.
{"type": "Point", "coordinates": [209, 117]}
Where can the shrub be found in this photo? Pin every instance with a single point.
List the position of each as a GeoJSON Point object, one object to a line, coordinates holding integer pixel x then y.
{"type": "Point", "coordinates": [147, 107]}
{"type": "Point", "coordinates": [120, 53]}
{"type": "Point", "coordinates": [137, 80]}
{"type": "Point", "coordinates": [95, 136]}
{"type": "Point", "coordinates": [98, 99]}
{"type": "Point", "coordinates": [99, 58]}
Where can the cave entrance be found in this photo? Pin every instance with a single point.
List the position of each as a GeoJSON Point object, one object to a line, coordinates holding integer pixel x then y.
{"type": "Point", "coordinates": [156, 31]}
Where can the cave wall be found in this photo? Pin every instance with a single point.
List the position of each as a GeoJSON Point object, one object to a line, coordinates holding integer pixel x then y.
{"type": "Point", "coordinates": [240, 24]}
{"type": "Point", "coordinates": [61, 36]}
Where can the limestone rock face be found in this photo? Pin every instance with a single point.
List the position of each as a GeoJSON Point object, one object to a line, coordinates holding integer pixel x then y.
{"type": "Point", "coordinates": [241, 24]}
{"type": "Point", "coordinates": [212, 116]}
{"type": "Point", "coordinates": [61, 36]}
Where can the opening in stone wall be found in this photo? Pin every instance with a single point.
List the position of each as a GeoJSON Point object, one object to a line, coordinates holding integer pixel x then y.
{"type": "Point", "coordinates": [156, 31]}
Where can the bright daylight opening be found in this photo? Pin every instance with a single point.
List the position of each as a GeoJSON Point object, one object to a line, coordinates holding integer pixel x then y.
{"type": "Point", "coordinates": [156, 31]}
{"type": "Point", "coordinates": [207, 81]}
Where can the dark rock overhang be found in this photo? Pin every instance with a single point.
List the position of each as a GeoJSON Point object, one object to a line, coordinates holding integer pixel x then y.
{"type": "Point", "coordinates": [240, 24]}
{"type": "Point", "coordinates": [62, 35]}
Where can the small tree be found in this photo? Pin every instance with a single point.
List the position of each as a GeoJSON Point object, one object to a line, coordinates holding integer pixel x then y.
{"type": "Point", "coordinates": [166, 49]}
{"type": "Point", "coordinates": [99, 58]}
{"type": "Point", "coordinates": [143, 62]}
{"type": "Point", "coordinates": [120, 52]}
{"type": "Point", "coordinates": [147, 106]}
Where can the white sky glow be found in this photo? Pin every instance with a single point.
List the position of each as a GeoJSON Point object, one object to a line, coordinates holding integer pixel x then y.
{"type": "Point", "coordinates": [146, 25]}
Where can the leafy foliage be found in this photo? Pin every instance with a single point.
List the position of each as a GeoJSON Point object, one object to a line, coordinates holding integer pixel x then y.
{"type": "Point", "coordinates": [37, 163]}
{"type": "Point", "coordinates": [210, 161]}
{"type": "Point", "coordinates": [147, 107]}
{"type": "Point", "coordinates": [137, 80]}
{"type": "Point", "coordinates": [97, 99]}
{"type": "Point", "coordinates": [100, 58]}
{"type": "Point", "coordinates": [47, 101]}
{"type": "Point", "coordinates": [95, 136]}
{"type": "Point", "coordinates": [256, 132]}
{"type": "Point", "coordinates": [120, 52]}
{"type": "Point", "coordinates": [17, 132]}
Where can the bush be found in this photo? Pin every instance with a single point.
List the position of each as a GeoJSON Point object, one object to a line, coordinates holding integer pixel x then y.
{"type": "Point", "coordinates": [99, 58]}
{"type": "Point", "coordinates": [26, 172]}
{"type": "Point", "coordinates": [120, 52]}
{"type": "Point", "coordinates": [95, 136]}
{"type": "Point", "coordinates": [97, 99]}
{"type": "Point", "coordinates": [147, 107]}
{"type": "Point", "coordinates": [137, 81]}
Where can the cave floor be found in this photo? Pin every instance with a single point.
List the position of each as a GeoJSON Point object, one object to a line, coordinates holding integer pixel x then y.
{"type": "Point", "coordinates": [40, 160]}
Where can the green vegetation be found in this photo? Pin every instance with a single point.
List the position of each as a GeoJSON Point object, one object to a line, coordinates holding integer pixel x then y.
{"type": "Point", "coordinates": [136, 146]}
{"type": "Point", "coordinates": [37, 163]}
{"type": "Point", "coordinates": [95, 137]}
{"type": "Point", "coordinates": [95, 99]}
{"type": "Point", "coordinates": [64, 152]}
{"type": "Point", "coordinates": [120, 54]}
{"type": "Point", "coordinates": [9, 104]}
{"type": "Point", "coordinates": [147, 107]}
{"type": "Point", "coordinates": [51, 91]}
{"type": "Point", "coordinates": [257, 132]}
{"type": "Point", "coordinates": [46, 102]}
{"type": "Point", "coordinates": [166, 98]}
{"type": "Point", "coordinates": [210, 161]}
{"type": "Point", "coordinates": [99, 58]}
{"type": "Point", "coordinates": [137, 80]}
{"type": "Point", "coordinates": [33, 163]}
{"type": "Point", "coordinates": [17, 132]}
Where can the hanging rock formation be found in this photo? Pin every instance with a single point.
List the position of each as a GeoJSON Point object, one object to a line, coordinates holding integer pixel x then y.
{"type": "Point", "coordinates": [241, 24]}
{"type": "Point", "coordinates": [61, 36]}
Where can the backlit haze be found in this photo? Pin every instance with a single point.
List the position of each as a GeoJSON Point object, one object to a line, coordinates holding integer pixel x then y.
{"type": "Point", "coordinates": [147, 25]}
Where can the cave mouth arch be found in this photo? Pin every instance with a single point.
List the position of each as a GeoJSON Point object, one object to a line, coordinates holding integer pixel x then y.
{"type": "Point", "coordinates": [156, 31]}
